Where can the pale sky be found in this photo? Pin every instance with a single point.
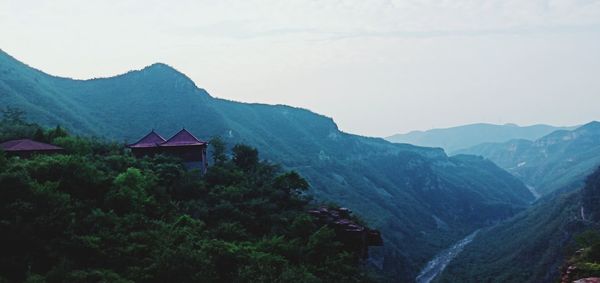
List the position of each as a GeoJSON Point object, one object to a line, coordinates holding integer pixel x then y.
{"type": "Point", "coordinates": [378, 67]}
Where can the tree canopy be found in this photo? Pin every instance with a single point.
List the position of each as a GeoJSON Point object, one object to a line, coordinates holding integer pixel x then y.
{"type": "Point", "coordinates": [97, 214]}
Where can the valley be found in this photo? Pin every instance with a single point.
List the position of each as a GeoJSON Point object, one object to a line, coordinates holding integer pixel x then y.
{"type": "Point", "coordinates": [437, 265]}
{"type": "Point", "coordinates": [443, 218]}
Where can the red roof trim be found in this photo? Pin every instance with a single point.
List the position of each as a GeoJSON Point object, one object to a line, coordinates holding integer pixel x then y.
{"type": "Point", "coordinates": [152, 139]}
{"type": "Point", "coordinates": [27, 145]}
{"type": "Point", "coordinates": [183, 138]}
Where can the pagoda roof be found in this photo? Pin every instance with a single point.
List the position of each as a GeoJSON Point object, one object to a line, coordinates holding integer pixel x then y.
{"type": "Point", "coordinates": [183, 138]}
{"type": "Point", "coordinates": [150, 140]}
{"type": "Point", "coordinates": [27, 145]}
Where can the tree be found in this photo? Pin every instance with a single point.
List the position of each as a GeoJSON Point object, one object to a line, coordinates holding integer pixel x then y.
{"type": "Point", "coordinates": [591, 196]}
{"type": "Point", "coordinates": [2, 159]}
{"type": "Point", "coordinates": [218, 150]}
{"type": "Point", "coordinates": [245, 157]}
{"type": "Point", "coordinates": [103, 216]}
{"type": "Point", "coordinates": [291, 183]}
{"type": "Point", "coordinates": [130, 191]}
{"type": "Point", "coordinates": [13, 115]}
{"type": "Point", "coordinates": [57, 132]}
{"type": "Point", "coordinates": [39, 135]}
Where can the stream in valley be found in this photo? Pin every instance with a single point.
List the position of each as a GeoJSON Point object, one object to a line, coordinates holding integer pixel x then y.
{"type": "Point", "coordinates": [435, 266]}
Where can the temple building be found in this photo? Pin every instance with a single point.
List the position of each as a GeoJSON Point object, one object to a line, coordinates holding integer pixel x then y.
{"type": "Point", "coordinates": [182, 145]}
{"type": "Point", "coordinates": [26, 148]}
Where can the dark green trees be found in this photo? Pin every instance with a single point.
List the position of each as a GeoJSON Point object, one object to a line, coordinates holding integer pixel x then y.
{"type": "Point", "coordinates": [591, 196]}
{"type": "Point", "coordinates": [99, 215]}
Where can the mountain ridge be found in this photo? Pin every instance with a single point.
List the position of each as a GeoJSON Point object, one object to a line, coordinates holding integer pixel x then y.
{"type": "Point", "coordinates": [402, 189]}
{"type": "Point", "coordinates": [456, 138]}
{"type": "Point", "coordinates": [556, 161]}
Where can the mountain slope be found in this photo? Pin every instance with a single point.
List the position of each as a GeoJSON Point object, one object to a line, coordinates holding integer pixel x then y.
{"type": "Point", "coordinates": [560, 160]}
{"type": "Point", "coordinates": [421, 199]}
{"type": "Point", "coordinates": [456, 138]}
{"type": "Point", "coordinates": [531, 246]}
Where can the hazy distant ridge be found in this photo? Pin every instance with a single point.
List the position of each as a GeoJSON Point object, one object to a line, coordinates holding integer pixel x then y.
{"type": "Point", "coordinates": [558, 160]}
{"type": "Point", "coordinates": [460, 137]}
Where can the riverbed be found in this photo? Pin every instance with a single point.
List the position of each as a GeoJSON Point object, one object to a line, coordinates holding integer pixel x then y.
{"type": "Point", "coordinates": [435, 266]}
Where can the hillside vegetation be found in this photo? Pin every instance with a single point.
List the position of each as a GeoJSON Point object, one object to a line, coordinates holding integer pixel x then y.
{"type": "Point", "coordinates": [560, 160]}
{"type": "Point", "coordinates": [97, 214]}
{"type": "Point", "coordinates": [539, 244]}
{"type": "Point", "coordinates": [420, 199]}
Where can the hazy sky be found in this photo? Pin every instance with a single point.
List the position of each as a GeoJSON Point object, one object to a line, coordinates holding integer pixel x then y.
{"type": "Point", "coordinates": [376, 66]}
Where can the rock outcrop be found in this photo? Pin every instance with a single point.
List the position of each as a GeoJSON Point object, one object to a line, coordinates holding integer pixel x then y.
{"type": "Point", "coordinates": [353, 235]}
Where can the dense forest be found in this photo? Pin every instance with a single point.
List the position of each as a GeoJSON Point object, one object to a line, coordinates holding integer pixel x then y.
{"type": "Point", "coordinates": [96, 214]}
{"type": "Point", "coordinates": [419, 198]}
{"type": "Point", "coordinates": [559, 236]}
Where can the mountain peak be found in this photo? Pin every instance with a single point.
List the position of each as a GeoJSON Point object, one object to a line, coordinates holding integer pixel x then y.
{"type": "Point", "coordinates": [160, 66]}
{"type": "Point", "coordinates": [164, 73]}
{"type": "Point", "coordinates": [591, 126]}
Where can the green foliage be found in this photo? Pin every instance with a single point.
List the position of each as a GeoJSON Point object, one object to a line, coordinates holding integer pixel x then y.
{"type": "Point", "coordinates": [532, 246]}
{"type": "Point", "coordinates": [245, 157]}
{"type": "Point", "coordinates": [591, 197]}
{"type": "Point", "coordinates": [585, 255]}
{"type": "Point", "coordinates": [99, 215]}
{"type": "Point", "coordinates": [399, 188]}
{"type": "Point", "coordinates": [3, 160]}
{"type": "Point", "coordinates": [587, 238]}
{"type": "Point", "coordinates": [12, 114]}
{"type": "Point", "coordinates": [218, 150]}
{"type": "Point", "coordinates": [527, 248]}
{"type": "Point", "coordinates": [14, 126]}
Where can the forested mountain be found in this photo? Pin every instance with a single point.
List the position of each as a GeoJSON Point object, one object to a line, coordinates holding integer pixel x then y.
{"type": "Point", "coordinates": [533, 246]}
{"type": "Point", "coordinates": [461, 137]}
{"type": "Point", "coordinates": [421, 199]}
{"type": "Point", "coordinates": [94, 213]}
{"type": "Point", "coordinates": [560, 160]}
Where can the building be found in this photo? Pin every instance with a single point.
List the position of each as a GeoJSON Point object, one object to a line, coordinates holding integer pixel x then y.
{"type": "Point", "coordinates": [26, 148]}
{"type": "Point", "coordinates": [182, 145]}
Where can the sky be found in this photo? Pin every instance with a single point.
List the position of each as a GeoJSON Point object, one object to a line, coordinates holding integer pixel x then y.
{"type": "Point", "coordinates": [378, 67]}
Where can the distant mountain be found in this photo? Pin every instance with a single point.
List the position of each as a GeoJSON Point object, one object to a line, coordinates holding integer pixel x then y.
{"type": "Point", "coordinates": [421, 199]}
{"type": "Point", "coordinates": [530, 247]}
{"type": "Point", "coordinates": [560, 160]}
{"type": "Point", "coordinates": [456, 138]}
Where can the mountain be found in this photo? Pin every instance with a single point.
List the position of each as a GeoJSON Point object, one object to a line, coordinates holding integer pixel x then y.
{"type": "Point", "coordinates": [421, 199]}
{"type": "Point", "coordinates": [456, 138]}
{"type": "Point", "coordinates": [560, 160]}
{"type": "Point", "coordinates": [532, 246]}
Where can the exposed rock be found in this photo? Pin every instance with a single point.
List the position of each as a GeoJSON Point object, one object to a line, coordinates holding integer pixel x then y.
{"type": "Point", "coordinates": [354, 236]}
